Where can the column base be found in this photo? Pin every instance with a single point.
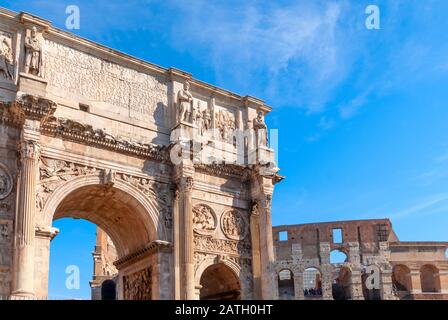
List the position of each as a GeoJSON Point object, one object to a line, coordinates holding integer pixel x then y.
{"type": "Point", "coordinates": [22, 295]}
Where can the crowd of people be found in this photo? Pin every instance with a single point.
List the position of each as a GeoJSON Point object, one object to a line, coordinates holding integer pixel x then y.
{"type": "Point", "coordinates": [312, 292]}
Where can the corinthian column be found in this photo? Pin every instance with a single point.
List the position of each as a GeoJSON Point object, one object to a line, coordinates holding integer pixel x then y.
{"type": "Point", "coordinates": [186, 186]}
{"type": "Point", "coordinates": [23, 284]}
{"type": "Point", "coordinates": [32, 112]}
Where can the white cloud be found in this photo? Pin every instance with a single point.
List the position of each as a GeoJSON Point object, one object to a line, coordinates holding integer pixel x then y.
{"type": "Point", "coordinates": [298, 48]}
{"type": "Point", "coordinates": [422, 206]}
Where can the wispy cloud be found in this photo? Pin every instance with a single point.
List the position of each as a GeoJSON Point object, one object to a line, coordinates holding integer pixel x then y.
{"type": "Point", "coordinates": [423, 206]}
{"type": "Point", "coordinates": [297, 48]}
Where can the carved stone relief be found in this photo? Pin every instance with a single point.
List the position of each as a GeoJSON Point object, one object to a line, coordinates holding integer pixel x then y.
{"type": "Point", "coordinates": [53, 173]}
{"type": "Point", "coordinates": [153, 189]}
{"type": "Point", "coordinates": [225, 123]}
{"type": "Point", "coordinates": [124, 91]}
{"type": "Point", "coordinates": [232, 247]}
{"type": "Point", "coordinates": [234, 225]}
{"type": "Point", "coordinates": [7, 65]}
{"type": "Point", "coordinates": [6, 182]}
{"type": "Point", "coordinates": [204, 220]}
{"type": "Point", "coordinates": [138, 285]}
{"type": "Point", "coordinates": [202, 118]}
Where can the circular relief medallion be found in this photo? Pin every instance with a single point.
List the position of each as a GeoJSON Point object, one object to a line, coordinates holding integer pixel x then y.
{"type": "Point", "coordinates": [5, 182]}
{"type": "Point", "coordinates": [234, 224]}
{"type": "Point", "coordinates": [204, 219]}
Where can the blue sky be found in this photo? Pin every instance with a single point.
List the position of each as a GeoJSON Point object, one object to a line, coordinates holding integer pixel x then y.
{"type": "Point", "coordinates": [362, 114]}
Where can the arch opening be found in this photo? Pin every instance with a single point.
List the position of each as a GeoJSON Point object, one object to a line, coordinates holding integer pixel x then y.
{"type": "Point", "coordinates": [429, 278]}
{"type": "Point", "coordinates": [219, 282]}
{"type": "Point", "coordinates": [373, 293]}
{"type": "Point", "coordinates": [108, 290]}
{"type": "Point", "coordinates": [117, 212]}
{"type": "Point", "coordinates": [401, 281]}
{"type": "Point", "coordinates": [338, 256]}
{"type": "Point", "coordinates": [128, 219]}
{"type": "Point", "coordinates": [312, 283]}
{"type": "Point", "coordinates": [286, 285]}
{"type": "Point", "coordinates": [342, 284]}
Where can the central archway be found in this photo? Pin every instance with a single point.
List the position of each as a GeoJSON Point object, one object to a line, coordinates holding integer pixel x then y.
{"type": "Point", "coordinates": [219, 282]}
{"type": "Point", "coordinates": [130, 218]}
{"type": "Point", "coordinates": [113, 210]}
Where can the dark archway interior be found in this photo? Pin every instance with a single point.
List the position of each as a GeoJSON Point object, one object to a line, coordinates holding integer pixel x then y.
{"type": "Point", "coordinates": [219, 282]}
{"type": "Point", "coordinates": [286, 285]}
{"type": "Point", "coordinates": [108, 290]}
{"type": "Point", "coordinates": [369, 294]}
{"type": "Point", "coordinates": [401, 278]}
{"type": "Point", "coordinates": [429, 278]}
{"type": "Point", "coordinates": [341, 288]}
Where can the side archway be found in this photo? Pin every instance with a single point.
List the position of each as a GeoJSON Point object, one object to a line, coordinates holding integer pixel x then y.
{"type": "Point", "coordinates": [429, 278]}
{"type": "Point", "coordinates": [401, 280]}
{"type": "Point", "coordinates": [219, 282]}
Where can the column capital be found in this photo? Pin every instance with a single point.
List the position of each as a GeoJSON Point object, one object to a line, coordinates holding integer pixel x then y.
{"type": "Point", "coordinates": [46, 232]}
{"type": "Point", "coordinates": [29, 149]}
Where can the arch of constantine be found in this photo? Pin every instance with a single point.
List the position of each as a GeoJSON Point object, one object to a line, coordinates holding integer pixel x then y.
{"type": "Point", "coordinates": [177, 172]}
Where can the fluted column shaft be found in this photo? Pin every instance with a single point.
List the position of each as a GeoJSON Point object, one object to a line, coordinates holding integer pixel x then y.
{"type": "Point", "coordinates": [187, 241]}
{"type": "Point", "coordinates": [25, 220]}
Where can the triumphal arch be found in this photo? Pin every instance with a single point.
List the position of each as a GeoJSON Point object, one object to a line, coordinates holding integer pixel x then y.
{"type": "Point", "coordinates": [178, 173]}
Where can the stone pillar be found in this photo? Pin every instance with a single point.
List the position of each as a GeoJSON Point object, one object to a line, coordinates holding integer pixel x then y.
{"type": "Point", "coordinates": [386, 283]}
{"type": "Point", "coordinates": [415, 282]}
{"type": "Point", "coordinates": [31, 112]}
{"type": "Point", "coordinates": [255, 240]}
{"type": "Point", "coordinates": [176, 245]}
{"type": "Point", "coordinates": [298, 285]}
{"type": "Point", "coordinates": [356, 285]}
{"type": "Point", "coordinates": [42, 260]}
{"type": "Point", "coordinates": [23, 283]}
{"type": "Point", "coordinates": [269, 285]}
{"type": "Point", "coordinates": [443, 281]}
{"type": "Point", "coordinates": [326, 271]}
{"type": "Point", "coordinates": [262, 187]}
{"type": "Point", "coordinates": [184, 177]}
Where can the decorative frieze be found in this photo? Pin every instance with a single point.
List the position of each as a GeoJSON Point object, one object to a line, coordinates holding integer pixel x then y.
{"type": "Point", "coordinates": [138, 285]}
{"type": "Point", "coordinates": [53, 173]}
{"type": "Point", "coordinates": [86, 134]}
{"type": "Point", "coordinates": [221, 246]}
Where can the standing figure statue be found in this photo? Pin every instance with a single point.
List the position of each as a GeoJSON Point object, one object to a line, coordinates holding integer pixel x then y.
{"type": "Point", "coordinates": [33, 54]}
{"type": "Point", "coordinates": [198, 118]}
{"type": "Point", "coordinates": [207, 119]}
{"type": "Point", "coordinates": [184, 103]}
{"type": "Point", "coordinates": [6, 60]}
{"type": "Point", "coordinates": [261, 130]}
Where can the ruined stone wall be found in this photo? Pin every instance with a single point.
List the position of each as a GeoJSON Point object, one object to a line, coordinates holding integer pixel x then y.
{"type": "Point", "coordinates": [364, 242]}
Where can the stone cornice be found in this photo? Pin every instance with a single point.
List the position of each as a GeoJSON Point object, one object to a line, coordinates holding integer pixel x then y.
{"type": "Point", "coordinates": [28, 106]}
{"type": "Point", "coordinates": [150, 248]}
{"type": "Point", "coordinates": [86, 134]}
{"type": "Point", "coordinates": [224, 170]}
